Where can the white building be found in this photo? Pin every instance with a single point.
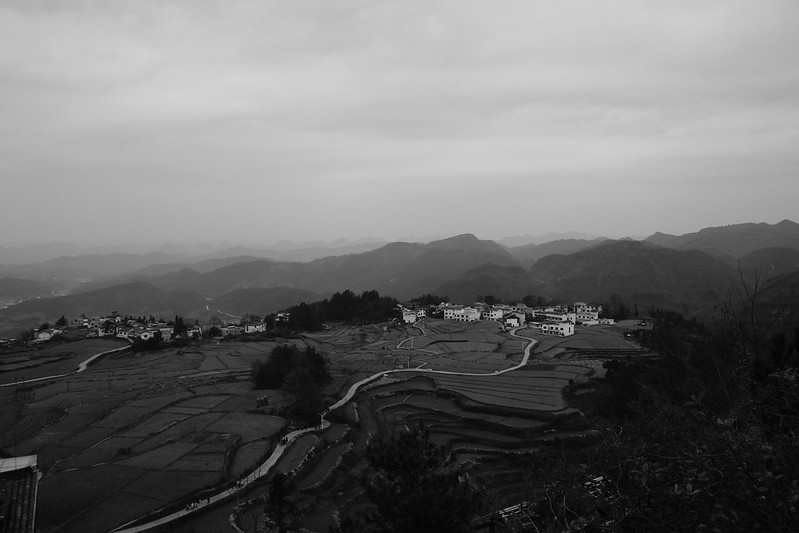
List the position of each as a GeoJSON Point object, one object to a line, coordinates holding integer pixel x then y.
{"type": "Point", "coordinates": [561, 329]}
{"type": "Point", "coordinates": [46, 334]}
{"type": "Point", "coordinates": [587, 318]}
{"type": "Point", "coordinates": [147, 335]}
{"type": "Point", "coordinates": [461, 313]}
{"type": "Point", "coordinates": [491, 313]}
{"type": "Point", "coordinates": [166, 333]}
{"type": "Point", "coordinates": [514, 320]}
{"type": "Point", "coordinates": [584, 307]}
{"type": "Point", "coordinates": [557, 315]}
{"type": "Point", "coordinates": [409, 316]}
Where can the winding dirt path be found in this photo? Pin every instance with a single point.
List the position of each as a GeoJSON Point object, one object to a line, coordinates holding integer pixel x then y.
{"type": "Point", "coordinates": [286, 442]}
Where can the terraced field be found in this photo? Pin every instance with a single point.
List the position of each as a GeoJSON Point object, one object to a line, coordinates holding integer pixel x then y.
{"type": "Point", "coordinates": [137, 432]}
{"type": "Point", "coordinates": [494, 424]}
{"type": "Point", "coordinates": [143, 432]}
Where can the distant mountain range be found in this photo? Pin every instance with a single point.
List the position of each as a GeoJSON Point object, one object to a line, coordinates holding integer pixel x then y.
{"type": "Point", "coordinates": [281, 251]}
{"type": "Point", "coordinates": [639, 272]}
{"type": "Point", "coordinates": [733, 241]}
{"type": "Point", "coordinates": [689, 273]}
{"type": "Point", "coordinates": [530, 253]}
{"type": "Point", "coordinates": [25, 289]}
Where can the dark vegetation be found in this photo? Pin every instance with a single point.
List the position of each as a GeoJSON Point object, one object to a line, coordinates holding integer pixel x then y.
{"type": "Point", "coordinates": [299, 372]}
{"type": "Point", "coordinates": [343, 307]}
{"type": "Point", "coordinates": [428, 299]}
{"type": "Point", "coordinates": [280, 510]}
{"type": "Point", "coordinates": [413, 488]}
{"type": "Point", "coordinates": [702, 439]}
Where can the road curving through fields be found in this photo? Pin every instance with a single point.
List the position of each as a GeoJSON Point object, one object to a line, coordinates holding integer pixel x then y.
{"type": "Point", "coordinates": [234, 490]}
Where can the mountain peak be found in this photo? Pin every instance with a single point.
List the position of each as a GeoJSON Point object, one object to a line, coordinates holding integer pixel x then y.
{"type": "Point", "coordinates": [461, 237]}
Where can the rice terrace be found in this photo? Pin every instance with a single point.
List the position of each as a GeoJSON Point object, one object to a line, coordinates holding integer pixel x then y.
{"type": "Point", "coordinates": [182, 436]}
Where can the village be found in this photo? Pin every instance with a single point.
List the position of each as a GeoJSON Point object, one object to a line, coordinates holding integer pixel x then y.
{"type": "Point", "coordinates": [552, 320]}
{"type": "Point", "coordinates": [556, 320]}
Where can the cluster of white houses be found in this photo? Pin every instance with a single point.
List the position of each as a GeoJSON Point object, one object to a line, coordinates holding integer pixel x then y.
{"type": "Point", "coordinates": [115, 325]}
{"type": "Point", "coordinates": [555, 320]}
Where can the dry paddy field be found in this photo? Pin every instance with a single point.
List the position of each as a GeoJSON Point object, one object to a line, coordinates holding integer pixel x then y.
{"type": "Point", "coordinates": [495, 424]}
{"type": "Point", "coordinates": [135, 433]}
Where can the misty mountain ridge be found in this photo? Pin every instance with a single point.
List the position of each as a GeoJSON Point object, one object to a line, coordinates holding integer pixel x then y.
{"type": "Point", "coordinates": [462, 267]}
{"type": "Point", "coordinates": [529, 254]}
{"type": "Point", "coordinates": [138, 298]}
{"type": "Point", "coordinates": [640, 273]}
{"type": "Point", "coordinates": [770, 262]}
{"type": "Point", "coordinates": [527, 239]}
{"type": "Point", "coordinates": [735, 240]}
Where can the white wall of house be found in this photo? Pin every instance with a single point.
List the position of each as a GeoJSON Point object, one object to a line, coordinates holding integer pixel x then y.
{"type": "Point", "coordinates": [562, 329]}
{"type": "Point", "coordinates": [492, 313]}
{"type": "Point", "coordinates": [462, 314]}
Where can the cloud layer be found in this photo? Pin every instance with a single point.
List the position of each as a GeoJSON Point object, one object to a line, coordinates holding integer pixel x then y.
{"type": "Point", "coordinates": [259, 121]}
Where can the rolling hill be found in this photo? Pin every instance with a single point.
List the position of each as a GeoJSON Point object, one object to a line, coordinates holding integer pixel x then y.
{"type": "Point", "coordinates": [735, 240]}
{"type": "Point", "coordinates": [17, 288]}
{"type": "Point", "coordinates": [89, 266]}
{"type": "Point", "coordinates": [402, 270]}
{"type": "Point", "coordinates": [770, 262]}
{"type": "Point", "coordinates": [509, 284]}
{"type": "Point", "coordinates": [528, 254]}
{"type": "Point", "coordinates": [639, 272]}
{"type": "Point", "coordinates": [261, 302]}
{"type": "Point", "coordinates": [138, 298]}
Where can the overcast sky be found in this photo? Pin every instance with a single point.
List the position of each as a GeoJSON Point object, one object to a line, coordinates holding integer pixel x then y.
{"type": "Point", "coordinates": [256, 121]}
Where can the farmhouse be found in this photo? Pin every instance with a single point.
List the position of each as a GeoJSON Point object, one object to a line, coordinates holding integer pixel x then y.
{"type": "Point", "coordinates": [587, 315]}
{"type": "Point", "coordinates": [461, 313]}
{"type": "Point", "coordinates": [582, 307]}
{"type": "Point", "coordinates": [147, 335]}
{"type": "Point", "coordinates": [46, 334]}
{"type": "Point", "coordinates": [409, 316]}
{"type": "Point", "coordinates": [232, 331]}
{"type": "Point", "coordinates": [557, 315]}
{"type": "Point", "coordinates": [491, 313]}
{"type": "Point", "coordinates": [514, 320]}
{"type": "Point", "coordinates": [561, 329]}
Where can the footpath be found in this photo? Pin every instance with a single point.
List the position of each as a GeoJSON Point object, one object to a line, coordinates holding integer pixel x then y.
{"type": "Point", "coordinates": [289, 438]}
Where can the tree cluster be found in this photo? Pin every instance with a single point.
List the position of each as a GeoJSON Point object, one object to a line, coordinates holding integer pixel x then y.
{"type": "Point", "coordinates": [299, 372]}
{"type": "Point", "coordinates": [414, 488]}
{"type": "Point", "coordinates": [616, 309]}
{"type": "Point", "coordinates": [429, 299]}
{"type": "Point", "coordinates": [704, 438]}
{"type": "Point", "coordinates": [343, 307]}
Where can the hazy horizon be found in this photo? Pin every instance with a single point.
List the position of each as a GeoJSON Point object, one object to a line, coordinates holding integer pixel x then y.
{"type": "Point", "coordinates": [249, 122]}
